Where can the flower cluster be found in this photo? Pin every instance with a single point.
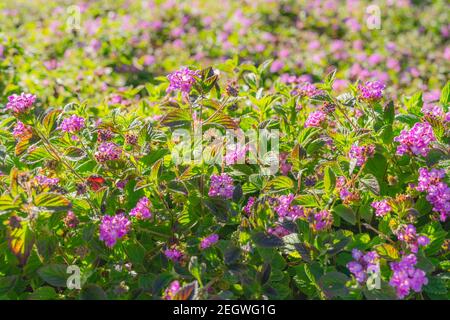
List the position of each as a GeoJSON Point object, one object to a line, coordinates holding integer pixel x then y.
{"type": "Point", "coordinates": [221, 186]}
{"type": "Point", "coordinates": [363, 264]}
{"type": "Point", "coordinates": [209, 241]}
{"type": "Point", "coordinates": [174, 254]}
{"type": "Point", "coordinates": [171, 290]}
{"type": "Point", "coordinates": [71, 220]}
{"type": "Point", "coordinates": [361, 153]}
{"type": "Point", "coordinates": [406, 277]}
{"type": "Point", "coordinates": [72, 124]}
{"type": "Point", "coordinates": [182, 80]}
{"type": "Point", "coordinates": [433, 111]}
{"type": "Point", "coordinates": [20, 103]}
{"type": "Point", "coordinates": [142, 209]}
{"type": "Point", "coordinates": [235, 154]}
{"type": "Point", "coordinates": [408, 235]}
{"type": "Point", "coordinates": [113, 228]}
{"type": "Point", "coordinates": [371, 91]}
{"type": "Point", "coordinates": [108, 151]}
{"type": "Point", "coordinates": [438, 192]}
{"type": "Point", "coordinates": [381, 207]}
{"type": "Point", "coordinates": [319, 221]}
{"type": "Point", "coordinates": [315, 119]}
{"type": "Point", "coordinates": [417, 140]}
{"type": "Point", "coordinates": [287, 211]}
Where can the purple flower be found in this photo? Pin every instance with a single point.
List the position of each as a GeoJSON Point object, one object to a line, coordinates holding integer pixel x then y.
{"type": "Point", "coordinates": [249, 205]}
{"type": "Point", "coordinates": [361, 153]}
{"type": "Point", "coordinates": [433, 111]}
{"type": "Point", "coordinates": [72, 124]}
{"type": "Point", "coordinates": [408, 235]}
{"type": "Point", "coordinates": [108, 151]}
{"type": "Point", "coordinates": [182, 80]}
{"type": "Point", "coordinates": [381, 208]}
{"type": "Point", "coordinates": [371, 91]}
{"type": "Point", "coordinates": [438, 192]}
{"type": "Point", "coordinates": [235, 154]}
{"type": "Point", "coordinates": [315, 119]}
{"type": "Point", "coordinates": [307, 89]}
{"type": "Point", "coordinates": [21, 130]}
{"type": "Point", "coordinates": [406, 277]}
{"type": "Point", "coordinates": [209, 241]}
{"type": "Point", "coordinates": [172, 290]}
{"type": "Point", "coordinates": [417, 140]}
{"type": "Point", "coordinates": [173, 254]}
{"type": "Point", "coordinates": [287, 211]}
{"type": "Point", "coordinates": [20, 104]}
{"type": "Point", "coordinates": [142, 209]}
{"type": "Point", "coordinates": [362, 264]}
{"type": "Point", "coordinates": [46, 181]}
{"type": "Point", "coordinates": [221, 186]}
{"type": "Point", "coordinates": [113, 228]}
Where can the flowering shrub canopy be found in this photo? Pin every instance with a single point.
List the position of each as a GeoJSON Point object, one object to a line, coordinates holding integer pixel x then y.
{"type": "Point", "coordinates": [306, 163]}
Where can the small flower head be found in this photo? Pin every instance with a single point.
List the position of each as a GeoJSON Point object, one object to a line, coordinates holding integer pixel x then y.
{"type": "Point", "coordinates": [248, 207]}
{"type": "Point", "coordinates": [142, 209]}
{"type": "Point", "coordinates": [46, 181]}
{"type": "Point", "coordinates": [221, 186]}
{"type": "Point", "coordinates": [113, 228]}
{"type": "Point", "coordinates": [371, 91]}
{"type": "Point", "coordinates": [417, 140]}
{"type": "Point", "coordinates": [108, 151]}
{"type": "Point", "coordinates": [171, 290]}
{"type": "Point", "coordinates": [174, 254]}
{"type": "Point", "coordinates": [362, 264]}
{"type": "Point", "coordinates": [21, 130]}
{"type": "Point", "coordinates": [381, 207]}
{"type": "Point", "coordinates": [209, 241]}
{"type": "Point", "coordinates": [182, 80]}
{"type": "Point", "coordinates": [72, 124]}
{"type": "Point", "coordinates": [71, 220]}
{"type": "Point", "coordinates": [406, 276]}
{"type": "Point", "coordinates": [20, 103]}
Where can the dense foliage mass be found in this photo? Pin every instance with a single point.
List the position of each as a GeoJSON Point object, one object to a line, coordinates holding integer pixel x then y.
{"type": "Point", "coordinates": [117, 163]}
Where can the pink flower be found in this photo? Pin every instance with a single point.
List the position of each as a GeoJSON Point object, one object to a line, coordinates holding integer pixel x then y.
{"type": "Point", "coordinates": [381, 208]}
{"type": "Point", "coordinates": [315, 119]}
{"type": "Point", "coordinates": [20, 104]}
{"type": "Point", "coordinates": [221, 186]}
{"type": "Point", "coordinates": [417, 140]}
{"type": "Point", "coordinates": [113, 228]}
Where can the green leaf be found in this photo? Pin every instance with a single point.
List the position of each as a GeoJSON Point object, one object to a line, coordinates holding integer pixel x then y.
{"type": "Point", "coordinates": [54, 274]}
{"type": "Point", "coordinates": [389, 112]}
{"type": "Point", "coordinates": [345, 213]}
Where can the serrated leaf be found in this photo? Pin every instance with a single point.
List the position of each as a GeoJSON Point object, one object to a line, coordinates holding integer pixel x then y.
{"type": "Point", "coordinates": [345, 213]}
{"type": "Point", "coordinates": [54, 274]}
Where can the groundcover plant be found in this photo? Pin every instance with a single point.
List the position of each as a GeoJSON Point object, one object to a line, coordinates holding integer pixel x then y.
{"type": "Point", "coordinates": [236, 150]}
